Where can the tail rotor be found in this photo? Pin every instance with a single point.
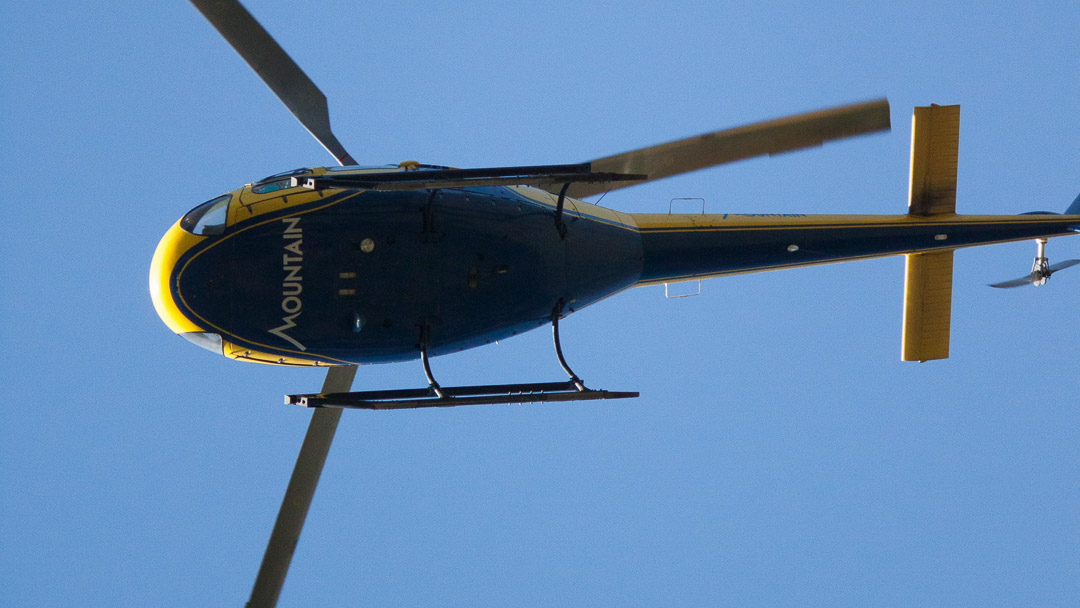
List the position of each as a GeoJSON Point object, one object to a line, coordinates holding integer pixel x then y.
{"type": "Point", "coordinates": [1041, 269]}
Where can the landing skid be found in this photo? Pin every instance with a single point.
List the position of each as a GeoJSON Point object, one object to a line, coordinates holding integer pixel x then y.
{"type": "Point", "coordinates": [454, 396]}
{"type": "Point", "coordinates": [435, 395]}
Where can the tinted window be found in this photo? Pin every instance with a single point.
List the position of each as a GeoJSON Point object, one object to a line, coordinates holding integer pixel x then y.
{"type": "Point", "coordinates": [208, 218]}
{"type": "Point", "coordinates": [283, 174]}
{"type": "Point", "coordinates": [264, 187]}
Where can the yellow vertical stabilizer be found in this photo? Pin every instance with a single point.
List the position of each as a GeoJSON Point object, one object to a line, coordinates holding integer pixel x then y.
{"type": "Point", "coordinates": [935, 132]}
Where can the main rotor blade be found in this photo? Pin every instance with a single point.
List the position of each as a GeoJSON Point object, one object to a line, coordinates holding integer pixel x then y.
{"type": "Point", "coordinates": [720, 147]}
{"type": "Point", "coordinates": [294, 507]}
{"type": "Point", "coordinates": [276, 68]}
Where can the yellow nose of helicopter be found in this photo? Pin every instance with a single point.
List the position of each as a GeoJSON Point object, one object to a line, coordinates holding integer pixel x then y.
{"type": "Point", "coordinates": [177, 300]}
{"type": "Point", "coordinates": [162, 276]}
{"type": "Point", "coordinates": [162, 267]}
{"type": "Point", "coordinates": [202, 222]}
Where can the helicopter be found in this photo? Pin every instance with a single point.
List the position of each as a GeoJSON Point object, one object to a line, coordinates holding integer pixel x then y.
{"type": "Point", "coordinates": [349, 265]}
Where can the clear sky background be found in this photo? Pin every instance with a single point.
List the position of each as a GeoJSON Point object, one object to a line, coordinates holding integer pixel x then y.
{"type": "Point", "coordinates": [780, 453]}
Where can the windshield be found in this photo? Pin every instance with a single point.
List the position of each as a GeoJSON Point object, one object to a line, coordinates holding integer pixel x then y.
{"type": "Point", "coordinates": [208, 218]}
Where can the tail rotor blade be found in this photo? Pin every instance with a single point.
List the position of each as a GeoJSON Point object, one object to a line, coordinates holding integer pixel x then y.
{"type": "Point", "coordinates": [1028, 280]}
{"type": "Point", "coordinates": [730, 145]}
{"type": "Point", "coordinates": [1063, 265]}
{"type": "Point", "coordinates": [1034, 277]}
{"type": "Point", "coordinates": [276, 68]}
{"type": "Point", "coordinates": [298, 495]}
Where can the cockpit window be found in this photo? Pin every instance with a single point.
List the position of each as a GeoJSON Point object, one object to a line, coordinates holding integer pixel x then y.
{"type": "Point", "coordinates": [278, 176]}
{"type": "Point", "coordinates": [364, 169]}
{"type": "Point", "coordinates": [264, 187]}
{"type": "Point", "coordinates": [384, 168]}
{"type": "Point", "coordinates": [208, 218]}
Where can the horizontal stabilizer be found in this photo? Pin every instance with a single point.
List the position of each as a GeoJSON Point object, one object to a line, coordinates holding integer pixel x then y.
{"type": "Point", "coordinates": [935, 132]}
{"type": "Point", "coordinates": [927, 306]}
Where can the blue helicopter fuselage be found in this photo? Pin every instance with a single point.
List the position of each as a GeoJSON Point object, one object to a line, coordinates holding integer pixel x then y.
{"type": "Point", "coordinates": [277, 273]}
{"type": "Point", "coordinates": [358, 276]}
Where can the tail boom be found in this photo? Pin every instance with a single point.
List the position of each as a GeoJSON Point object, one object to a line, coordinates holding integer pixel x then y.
{"type": "Point", "coordinates": [690, 247]}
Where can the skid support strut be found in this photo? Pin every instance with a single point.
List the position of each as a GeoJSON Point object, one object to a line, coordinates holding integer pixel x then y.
{"type": "Point", "coordinates": [559, 224]}
{"type": "Point", "coordinates": [433, 386]}
{"type": "Point", "coordinates": [555, 314]}
{"type": "Point", "coordinates": [436, 395]}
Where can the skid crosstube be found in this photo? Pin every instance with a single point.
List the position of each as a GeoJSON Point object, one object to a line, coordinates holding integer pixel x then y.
{"type": "Point", "coordinates": [456, 395]}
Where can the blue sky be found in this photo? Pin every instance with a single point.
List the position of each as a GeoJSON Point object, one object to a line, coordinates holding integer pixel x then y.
{"type": "Point", "coordinates": [780, 454]}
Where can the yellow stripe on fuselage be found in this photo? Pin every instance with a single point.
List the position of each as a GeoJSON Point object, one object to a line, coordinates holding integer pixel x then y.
{"type": "Point", "coordinates": [573, 206]}
{"type": "Point", "coordinates": [662, 222]}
